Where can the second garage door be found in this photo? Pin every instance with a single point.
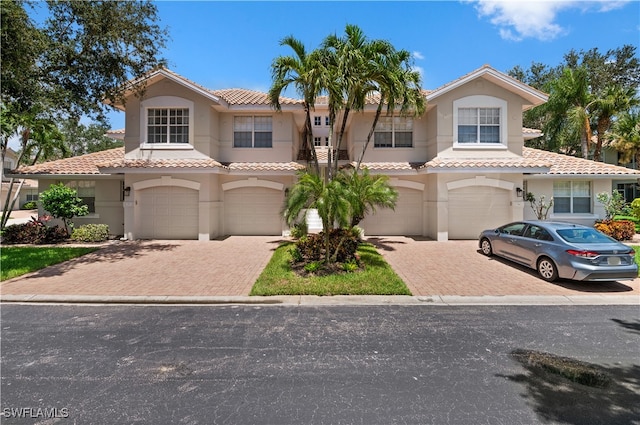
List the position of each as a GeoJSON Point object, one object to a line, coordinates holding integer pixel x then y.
{"type": "Point", "coordinates": [406, 219]}
{"type": "Point", "coordinates": [253, 211]}
{"type": "Point", "coordinates": [168, 212]}
{"type": "Point", "coordinates": [474, 209]}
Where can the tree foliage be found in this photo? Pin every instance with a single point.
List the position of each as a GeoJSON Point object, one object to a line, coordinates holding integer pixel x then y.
{"type": "Point", "coordinates": [588, 90]}
{"type": "Point", "coordinates": [62, 202]}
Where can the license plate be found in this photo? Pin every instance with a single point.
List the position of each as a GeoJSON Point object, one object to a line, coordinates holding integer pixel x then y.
{"type": "Point", "coordinates": [613, 261]}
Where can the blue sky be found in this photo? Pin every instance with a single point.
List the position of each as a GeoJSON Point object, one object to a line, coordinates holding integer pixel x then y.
{"type": "Point", "coordinates": [232, 44]}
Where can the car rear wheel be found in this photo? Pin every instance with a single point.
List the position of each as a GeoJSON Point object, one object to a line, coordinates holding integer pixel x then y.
{"type": "Point", "coordinates": [547, 269]}
{"type": "Point", "coordinates": [485, 247]}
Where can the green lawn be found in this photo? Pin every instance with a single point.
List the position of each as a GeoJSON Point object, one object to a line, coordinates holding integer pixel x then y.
{"type": "Point", "coordinates": [636, 248]}
{"type": "Point", "coordinates": [16, 261]}
{"type": "Point", "coordinates": [377, 278]}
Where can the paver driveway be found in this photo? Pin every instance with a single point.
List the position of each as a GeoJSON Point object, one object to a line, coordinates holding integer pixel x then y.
{"type": "Point", "coordinates": [229, 267]}
{"type": "Point", "coordinates": [190, 268]}
{"type": "Point", "coordinates": [458, 268]}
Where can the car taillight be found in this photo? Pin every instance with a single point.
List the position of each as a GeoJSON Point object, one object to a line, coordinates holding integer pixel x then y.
{"type": "Point", "coordinates": [583, 254]}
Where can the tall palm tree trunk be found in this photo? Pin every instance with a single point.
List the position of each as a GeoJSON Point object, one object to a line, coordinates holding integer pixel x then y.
{"type": "Point", "coordinates": [370, 135]}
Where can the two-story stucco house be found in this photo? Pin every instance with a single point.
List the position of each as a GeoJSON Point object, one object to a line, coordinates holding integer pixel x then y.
{"type": "Point", "coordinates": [201, 164]}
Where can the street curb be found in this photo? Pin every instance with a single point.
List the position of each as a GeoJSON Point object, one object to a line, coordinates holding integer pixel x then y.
{"type": "Point", "coordinates": [336, 300]}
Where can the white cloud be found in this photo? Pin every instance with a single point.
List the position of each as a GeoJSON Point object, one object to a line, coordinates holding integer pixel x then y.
{"type": "Point", "coordinates": [418, 55]}
{"type": "Point", "coordinates": [535, 19]}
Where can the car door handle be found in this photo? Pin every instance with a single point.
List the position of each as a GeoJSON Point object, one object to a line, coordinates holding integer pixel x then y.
{"type": "Point", "coordinates": [537, 245]}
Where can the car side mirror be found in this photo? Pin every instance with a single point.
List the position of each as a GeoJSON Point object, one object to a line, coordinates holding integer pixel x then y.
{"type": "Point", "coordinates": [497, 231]}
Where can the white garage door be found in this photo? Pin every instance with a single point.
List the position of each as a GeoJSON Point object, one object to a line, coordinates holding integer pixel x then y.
{"type": "Point", "coordinates": [253, 211]}
{"type": "Point", "coordinates": [474, 209]}
{"type": "Point", "coordinates": [168, 212]}
{"type": "Point", "coordinates": [406, 219]}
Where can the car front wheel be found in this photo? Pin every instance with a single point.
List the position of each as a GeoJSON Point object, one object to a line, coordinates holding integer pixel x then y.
{"type": "Point", "coordinates": [485, 247]}
{"type": "Point", "coordinates": [547, 269]}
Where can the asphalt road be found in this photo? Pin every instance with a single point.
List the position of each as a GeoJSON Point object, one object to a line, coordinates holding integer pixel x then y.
{"type": "Point", "coordinates": [314, 365]}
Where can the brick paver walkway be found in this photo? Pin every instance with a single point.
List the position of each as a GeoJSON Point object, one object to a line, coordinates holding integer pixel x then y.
{"type": "Point", "coordinates": [457, 268]}
{"type": "Point", "coordinates": [230, 267]}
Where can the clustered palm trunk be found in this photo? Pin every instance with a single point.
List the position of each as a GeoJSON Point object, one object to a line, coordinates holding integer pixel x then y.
{"type": "Point", "coordinates": [351, 71]}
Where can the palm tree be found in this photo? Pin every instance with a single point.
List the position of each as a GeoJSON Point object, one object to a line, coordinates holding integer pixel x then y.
{"type": "Point", "coordinates": [365, 193]}
{"type": "Point", "coordinates": [615, 100]}
{"type": "Point", "coordinates": [328, 197]}
{"type": "Point", "coordinates": [396, 83]}
{"type": "Point", "coordinates": [40, 139]}
{"type": "Point", "coordinates": [568, 107]}
{"type": "Point", "coordinates": [625, 137]}
{"type": "Point", "coordinates": [301, 71]}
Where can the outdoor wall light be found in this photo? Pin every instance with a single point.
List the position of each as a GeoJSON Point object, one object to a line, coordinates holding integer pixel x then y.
{"type": "Point", "coordinates": [519, 192]}
{"type": "Point", "coordinates": [127, 191]}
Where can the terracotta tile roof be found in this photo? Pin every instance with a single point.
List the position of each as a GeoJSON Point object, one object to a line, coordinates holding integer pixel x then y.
{"type": "Point", "coordinates": [265, 166]}
{"type": "Point", "coordinates": [465, 163]}
{"type": "Point", "coordinates": [116, 131]}
{"type": "Point", "coordinates": [526, 130]}
{"type": "Point", "coordinates": [83, 164]}
{"type": "Point", "coordinates": [389, 166]}
{"type": "Point", "coordinates": [162, 163]}
{"type": "Point", "coordinates": [250, 97]}
{"type": "Point", "coordinates": [570, 165]}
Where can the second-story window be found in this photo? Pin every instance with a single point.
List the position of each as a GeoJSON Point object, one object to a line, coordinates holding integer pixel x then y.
{"type": "Point", "coordinates": [252, 132]}
{"type": "Point", "coordinates": [393, 132]}
{"type": "Point", "coordinates": [317, 120]}
{"type": "Point", "coordinates": [479, 125]}
{"type": "Point", "coordinates": [168, 125]}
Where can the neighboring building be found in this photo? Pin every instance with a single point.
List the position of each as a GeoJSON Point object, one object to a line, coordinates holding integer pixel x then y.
{"type": "Point", "coordinates": [200, 164]}
{"type": "Point", "coordinates": [29, 190]}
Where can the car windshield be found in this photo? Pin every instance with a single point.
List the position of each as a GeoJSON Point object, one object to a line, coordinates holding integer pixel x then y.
{"type": "Point", "coordinates": [584, 236]}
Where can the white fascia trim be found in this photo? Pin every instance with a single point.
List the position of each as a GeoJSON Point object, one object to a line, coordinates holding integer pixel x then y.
{"type": "Point", "coordinates": [510, 170]}
{"type": "Point", "coordinates": [188, 85]}
{"type": "Point", "coordinates": [101, 176]}
{"type": "Point", "coordinates": [122, 171]}
{"type": "Point", "coordinates": [261, 173]}
{"type": "Point", "coordinates": [584, 176]}
{"type": "Point", "coordinates": [513, 83]}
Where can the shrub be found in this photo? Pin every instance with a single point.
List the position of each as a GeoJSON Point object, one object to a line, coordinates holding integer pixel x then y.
{"type": "Point", "coordinates": [33, 232]}
{"type": "Point", "coordinates": [613, 203]}
{"type": "Point", "coordinates": [343, 244]}
{"type": "Point", "coordinates": [299, 230]}
{"type": "Point", "coordinates": [313, 266]}
{"type": "Point", "coordinates": [620, 230]}
{"type": "Point", "coordinates": [635, 208]}
{"type": "Point", "coordinates": [63, 202]}
{"type": "Point", "coordinates": [31, 205]}
{"type": "Point", "coordinates": [91, 233]}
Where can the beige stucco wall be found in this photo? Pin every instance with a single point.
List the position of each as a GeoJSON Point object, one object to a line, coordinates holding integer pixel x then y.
{"type": "Point", "coordinates": [442, 143]}
{"type": "Point", "coordinates": [204, 120]}
{"type": "Point", "coordinates": [283, 136]}
{"type": "Point", "coordinates": [359, 129]}
{"type": "Point", "coordinates": [544, 186]}
{"type": "Point", "coordinates": [108, 203]}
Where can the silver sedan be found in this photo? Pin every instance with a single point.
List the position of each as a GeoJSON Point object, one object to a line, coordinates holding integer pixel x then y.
{"type": "Point", "coordinates": [561, 250]}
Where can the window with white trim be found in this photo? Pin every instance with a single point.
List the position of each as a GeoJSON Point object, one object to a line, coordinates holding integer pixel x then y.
{"type": "Point", "coordinates": [572, 197]}
{"type": "Point", "coordinates": [166, 122]}
{"type": "Point", "coordinates": [480, 122]}
{"type": "Point", "coordinates": [479, 125]}
{"type": "Point", "coordinates": [252, 132]}
{"type": "Point", "coordinates": [317, 120]}
{"type": "Point", "coordinates": [167, 125]}
{"type": "Point", "coordinates": [86, 190]}
{"type": "Point", "coordinates": [393, 132]}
